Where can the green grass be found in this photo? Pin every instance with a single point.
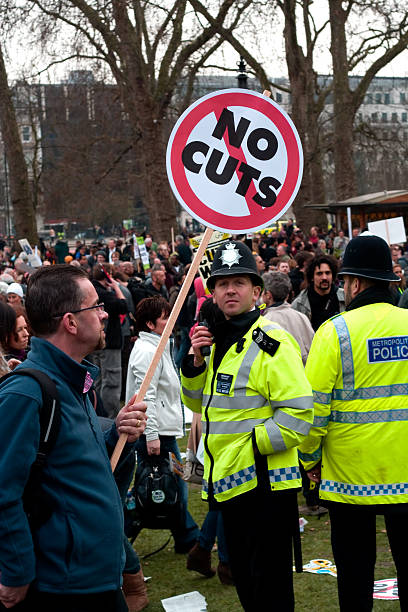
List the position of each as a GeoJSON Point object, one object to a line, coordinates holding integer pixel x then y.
{"type": "Point", "coordinates": [169, 576]}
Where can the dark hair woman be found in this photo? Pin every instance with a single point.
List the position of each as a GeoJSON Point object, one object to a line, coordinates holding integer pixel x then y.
{"type": "Point", "coordinates": [7, 326]}
{"type": "Point", "coordinates": [16, 344]}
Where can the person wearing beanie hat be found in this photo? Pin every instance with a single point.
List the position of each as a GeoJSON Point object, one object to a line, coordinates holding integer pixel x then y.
{"type": "Point", "coordinates": [15, 294]}
{"type": "Point", "coordinates": [3, 291]}
{"type": "Point", "coordinates": [68, 259]}
{"type": "Point", "coordinates": [357, 447]}
{"type": "Point", "coordinates": [256, 406]}
{"type": "Point", "coordinates": [6, 278]}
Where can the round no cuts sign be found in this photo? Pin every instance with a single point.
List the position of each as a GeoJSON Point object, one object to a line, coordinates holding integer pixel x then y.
{"type": "Point", "coordinates": [235, 161]}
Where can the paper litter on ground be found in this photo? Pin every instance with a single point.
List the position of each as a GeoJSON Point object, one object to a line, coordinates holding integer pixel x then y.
{"type": "Point", "coordinates": [187, 602]}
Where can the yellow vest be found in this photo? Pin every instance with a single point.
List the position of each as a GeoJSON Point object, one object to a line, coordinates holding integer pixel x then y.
{"type": "Point", "coordinates": [252, 390]}
{"type": "Point", "coordinates": [358, 368]}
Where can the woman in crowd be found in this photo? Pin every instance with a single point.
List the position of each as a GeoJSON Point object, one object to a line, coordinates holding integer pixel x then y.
{"type": "Point", "coordinates": [165, 420]}
{"type": "Point", "coordinates": [16, 344]}
{"type": "Point", "coordinates": [7, 327]}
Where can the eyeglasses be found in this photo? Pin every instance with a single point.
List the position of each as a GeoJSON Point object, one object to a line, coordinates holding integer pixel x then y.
{"type": "Point", "coordinates": [100, 307]}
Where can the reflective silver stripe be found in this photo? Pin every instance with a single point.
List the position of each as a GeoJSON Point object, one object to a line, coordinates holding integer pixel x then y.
{"type": "Point", "coordinates": [274, 435]}
{"type": "Point", "coordinates": [305, 402]}
{"type": "Point", "coordinates": [240, 401]}
{"type": "Point", "coordinates": [364, 393]}
{"type": "Point", "coordinates": [359, 490]}
{"type": "Point", "coordinates": [375, 416]}
{"type": "Point", "coordinates": [291, 422]}
{"type": "Point", "coordinates": [345, 351]}
{"type": "Point", "coordinates": [242, 378]}
{"type": "Point", "coordinates": [193, 394]}
{"type": "Point", "coordinates": [231, 427]}
{"type": "Point", "coordinates": [236, 402]}
{"type": "Point", "coordinates": [322, 398]}
{"type": "Point", "coordinates": [321, 421]}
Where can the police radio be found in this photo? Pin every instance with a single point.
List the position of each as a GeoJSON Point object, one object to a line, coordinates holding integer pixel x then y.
{"type": "Point", "coordinates": [205, 350]}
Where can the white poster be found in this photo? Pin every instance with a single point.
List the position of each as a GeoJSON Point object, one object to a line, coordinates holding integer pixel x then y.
{"type": "Point", "coordinates": [392, 230]}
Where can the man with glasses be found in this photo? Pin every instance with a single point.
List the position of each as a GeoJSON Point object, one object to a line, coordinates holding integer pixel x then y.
{"type": "Point", "coordinates": [74, 559]}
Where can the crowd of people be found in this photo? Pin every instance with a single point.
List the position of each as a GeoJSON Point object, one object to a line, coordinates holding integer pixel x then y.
{"type": "Point", "coordinates": [92, 316]}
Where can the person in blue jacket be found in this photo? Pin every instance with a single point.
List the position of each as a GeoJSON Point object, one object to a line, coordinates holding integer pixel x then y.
{"type": "Point", "coordinates": [74, 560]}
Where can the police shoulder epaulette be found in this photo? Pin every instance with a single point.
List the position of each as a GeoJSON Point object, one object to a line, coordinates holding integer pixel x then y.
{"type": "Point", "coordinates": [265, 342]}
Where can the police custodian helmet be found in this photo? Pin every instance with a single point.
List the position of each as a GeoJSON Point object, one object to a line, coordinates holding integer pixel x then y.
{"type": "Point", "coordinates": [368, 256]}
{"type": "Point", "coordinates": [232, 258]}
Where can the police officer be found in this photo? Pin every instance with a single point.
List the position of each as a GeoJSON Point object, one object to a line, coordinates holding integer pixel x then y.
{"type": "Point", "coordinates": [357, 447]}
{"type": "Point", "coordinates": [257, 408]}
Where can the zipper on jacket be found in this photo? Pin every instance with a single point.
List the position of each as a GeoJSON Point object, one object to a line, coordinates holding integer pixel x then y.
{"type": "Point", "coordinates": [210, 482]}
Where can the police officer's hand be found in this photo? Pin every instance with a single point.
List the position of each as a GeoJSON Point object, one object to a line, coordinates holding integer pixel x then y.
{"type": "Point", "coordinates": [315, 473]}
{"type": "Point", "coordinates": [201, 337]}
{"type": "Point", "coordinates": [10, 596]}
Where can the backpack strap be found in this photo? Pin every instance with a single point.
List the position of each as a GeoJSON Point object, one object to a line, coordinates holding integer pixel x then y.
{"type": "Point", "coordinates": [49, 411]}
{"type": "Point", "coordinates": [36, 502]}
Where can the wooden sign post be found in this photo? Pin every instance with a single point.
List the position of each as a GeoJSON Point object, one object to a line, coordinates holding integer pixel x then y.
{"type": "Point", "coordinates": [165, 336]}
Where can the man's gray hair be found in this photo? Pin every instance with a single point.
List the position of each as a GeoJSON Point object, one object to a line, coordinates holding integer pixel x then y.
{"type": "Point", "coordinates": [278, 284]}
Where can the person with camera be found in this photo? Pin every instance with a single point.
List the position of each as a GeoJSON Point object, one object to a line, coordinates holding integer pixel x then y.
{"type": "Point", "coordinates": [257, 407]}
{"type": "Point", "coordinates": [164, 409]}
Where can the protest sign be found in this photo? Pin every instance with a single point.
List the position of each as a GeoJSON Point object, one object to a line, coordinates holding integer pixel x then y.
{"type": "Point", "coordinates": [33, 258]}
{"type": "Point", "coordinates": [235, 161]}
{"type": "Point", "coordinates": [144, 255]}
{"type": "Point", "coordinates": [392, 230]}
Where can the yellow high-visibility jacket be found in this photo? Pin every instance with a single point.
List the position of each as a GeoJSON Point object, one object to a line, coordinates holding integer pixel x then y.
{"type": "Point", "coordinates": [252, 390]}
{"type": "Point", "coordinates": [358, 368]}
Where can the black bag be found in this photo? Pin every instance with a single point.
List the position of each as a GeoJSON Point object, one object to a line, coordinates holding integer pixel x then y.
{"type": "Point", "coordinates": [37, 503]}
{"type": "Point", "coordinates": [154, 501]}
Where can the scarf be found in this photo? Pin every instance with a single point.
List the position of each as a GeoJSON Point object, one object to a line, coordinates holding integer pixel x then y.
{"type": "Point", "coordinates": [228, 332]}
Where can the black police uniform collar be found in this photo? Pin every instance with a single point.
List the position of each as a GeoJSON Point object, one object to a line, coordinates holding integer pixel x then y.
{"type": "Point", "coordinates": [372, 295]}
{"type": "Point", "coordinates": [239, 324]}
{"type": "Point", "coordinates": [230, 331]}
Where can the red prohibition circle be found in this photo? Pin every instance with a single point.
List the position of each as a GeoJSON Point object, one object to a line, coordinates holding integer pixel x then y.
{"type": "Point", "coordinates": [198, 207]}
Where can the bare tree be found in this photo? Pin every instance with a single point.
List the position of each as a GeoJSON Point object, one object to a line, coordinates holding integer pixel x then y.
{"type": "Point", "coordinates": [149, 48]}
{"type": "Point", "coordinates": [385, 37]}
{"type": "Point", "coordinates": [308, 101]}
{"type": "Point", "coordinates": [24, 216]}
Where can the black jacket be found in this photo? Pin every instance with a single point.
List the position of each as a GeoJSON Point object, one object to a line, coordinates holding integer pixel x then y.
{"type": "Point", "coordinates": [114, 307]}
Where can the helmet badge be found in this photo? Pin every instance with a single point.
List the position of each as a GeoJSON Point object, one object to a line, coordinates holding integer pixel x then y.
{"type": "Point", "coordinates": [230, 255]}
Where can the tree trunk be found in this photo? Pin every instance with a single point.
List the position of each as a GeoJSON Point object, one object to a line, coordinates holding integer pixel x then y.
{"type": "Point", "coordinates": [150, 147]}
{"type": "Point", "coordinates": [343, 106]}
{"type": "Point", "coordinates": [23, 210]}
{"type": "Point", "coordinates": [305, 117]}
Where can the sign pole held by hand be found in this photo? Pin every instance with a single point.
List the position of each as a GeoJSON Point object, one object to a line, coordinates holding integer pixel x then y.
{"type": "Point", "coordinates": [165, 336]}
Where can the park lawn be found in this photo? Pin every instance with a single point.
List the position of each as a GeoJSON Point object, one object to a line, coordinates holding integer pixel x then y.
{"type": "Point", "coordinates": [169, 576]}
